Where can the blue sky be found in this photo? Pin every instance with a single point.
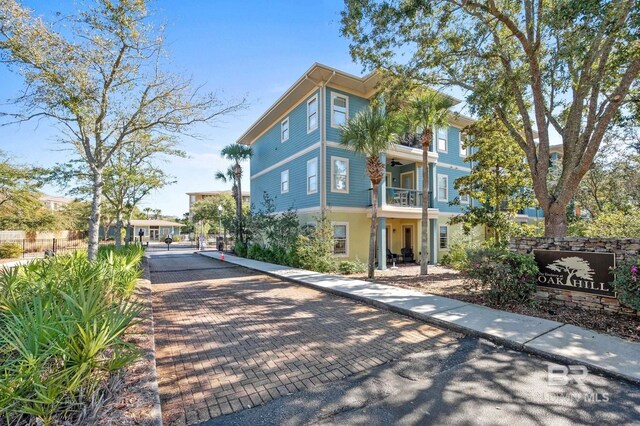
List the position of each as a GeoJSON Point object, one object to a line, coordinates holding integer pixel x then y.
{"type": "Point", "coordinates": [246, 48]}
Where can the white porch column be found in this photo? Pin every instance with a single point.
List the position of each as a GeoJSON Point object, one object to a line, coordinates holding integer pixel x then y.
{"type": "Point", "coordinates": [433, 241]}
{"type": "Point", "coordinates": [382, 243]}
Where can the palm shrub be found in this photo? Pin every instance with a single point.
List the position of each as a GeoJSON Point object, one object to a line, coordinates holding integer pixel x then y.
{"type": "Point", "coordinates": [62, 326]}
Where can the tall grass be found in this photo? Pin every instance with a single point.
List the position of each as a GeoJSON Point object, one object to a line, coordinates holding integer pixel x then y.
{"type": "Point", "coordinates": [62, 325]}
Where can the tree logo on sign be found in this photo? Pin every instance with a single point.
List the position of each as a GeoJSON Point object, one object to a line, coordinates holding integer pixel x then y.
{"type": "Point", "coordinates": [573, 267]}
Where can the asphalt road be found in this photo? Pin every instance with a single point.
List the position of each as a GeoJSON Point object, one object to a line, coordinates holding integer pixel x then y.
{"type": "Point", "coordinates": [472, 382]}
{"type": "Point", "coordinates": [468, 381]}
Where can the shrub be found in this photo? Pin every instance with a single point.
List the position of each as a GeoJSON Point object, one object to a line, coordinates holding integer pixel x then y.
{"type": "Point", "coordinates": [348, 267]}
{"type": "Point", "coordinates": [627, 283]}
{"type": "Point", "coordinates": [240, 249]}
{"type": "Point", "coordinates": [501, 275]}
{"type": "Point", "coordinates": [62, 336]}
{"type": "Point", "coordinates": [10, 250]}
{"type": "Point", "coordinates": [457, 255]}
{"type": "Point", "coordinates": [314, 251]}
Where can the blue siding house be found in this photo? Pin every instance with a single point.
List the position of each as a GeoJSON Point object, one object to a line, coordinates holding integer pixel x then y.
{"type": "Point", "coordinates": [299, 162]}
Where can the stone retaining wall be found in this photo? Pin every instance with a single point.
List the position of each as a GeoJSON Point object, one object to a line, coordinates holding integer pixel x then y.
{"type": "Point", "coordinates": [623, 249]}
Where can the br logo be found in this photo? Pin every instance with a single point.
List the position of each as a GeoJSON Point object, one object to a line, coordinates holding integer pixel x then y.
{"type": "Point", "coordinates": [561, 375]}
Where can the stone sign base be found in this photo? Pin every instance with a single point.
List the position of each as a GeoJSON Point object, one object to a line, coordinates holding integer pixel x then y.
{"type": "Point", "coordinates": [623, 249]}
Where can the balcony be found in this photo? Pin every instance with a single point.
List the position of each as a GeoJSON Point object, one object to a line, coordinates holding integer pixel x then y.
{"type": "Point", "coordinates": [403, 197]}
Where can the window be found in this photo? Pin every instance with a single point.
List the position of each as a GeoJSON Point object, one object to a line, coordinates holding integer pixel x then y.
{"type": "Point", "coordinates": [284, 130]}
{"type": "Point", "coordinates": [464, 199]}
{"type": "Point", "coordinates": [284, 181]}
{"type": "Point", "coordinates": [339, 174]}
{"type": "Point", "coordinates": [312, 114]}
{"type": "Point", "coordinates": [443, 188]}
{"type": "Point", "coordinates": [444, 237]}
{"type": "Point", "coordinates": [464, 151]}
{"type": "Point", "coordinates": [442, 139]}
{"type": "Point", "coordinates": [312, 176]}
{"type": "Point", "coordinates": [340, 234]}
{"type": "Point", "coordinates": [339, 109]}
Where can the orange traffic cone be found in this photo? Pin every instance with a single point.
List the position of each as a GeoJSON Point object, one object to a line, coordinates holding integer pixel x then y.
{"type": "Point", "coordinates": [221, 255]}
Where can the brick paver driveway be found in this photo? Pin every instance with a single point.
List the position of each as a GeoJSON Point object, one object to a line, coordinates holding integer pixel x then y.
{"type": "Point", "coordinates": [228, 338]}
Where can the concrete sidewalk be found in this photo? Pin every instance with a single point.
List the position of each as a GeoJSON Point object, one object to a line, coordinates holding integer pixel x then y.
{"type": "Point", "coordinates": [555, 340]}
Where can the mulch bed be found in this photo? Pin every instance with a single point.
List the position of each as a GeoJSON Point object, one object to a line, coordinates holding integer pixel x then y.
{"type": "Point", "coordinates": [450, 283]}
{"type": "Point", "coordinates": [137, 400]}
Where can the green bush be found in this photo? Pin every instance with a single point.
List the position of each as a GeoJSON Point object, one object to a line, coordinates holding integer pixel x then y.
{"type": "Point", "coordinates": [457, 255]}
{"type": "Point", "coordinates": [62, 335]}
{"type": "Point", "coordinates": [502, 276]}
{"type": "Point", "coordinates": [314, 251]}
{"type": "Point", "coordinates": [240, 249]}
{"type": "Point", "coordinates": [348, 267]}
{"type": "Point", "coordinates": [627, 283]}
{"type": "Point", "coordinates": [10, 250]}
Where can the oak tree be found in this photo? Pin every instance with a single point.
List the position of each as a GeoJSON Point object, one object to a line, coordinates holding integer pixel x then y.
{"type": "Point", "coordinates": [567, 66]}
{"type": "Point", "coordinates": [99, 75]}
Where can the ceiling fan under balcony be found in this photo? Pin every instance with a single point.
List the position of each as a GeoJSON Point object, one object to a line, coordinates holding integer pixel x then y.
{"type": "Point", "coordinates": [395, 162]}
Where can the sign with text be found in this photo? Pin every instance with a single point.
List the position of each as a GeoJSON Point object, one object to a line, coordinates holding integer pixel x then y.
{"type": "Point", "coordinates": [576, 271]}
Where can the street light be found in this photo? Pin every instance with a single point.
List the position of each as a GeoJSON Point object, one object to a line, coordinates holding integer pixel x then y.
{"type": "Point", "coordinates": [220, 225]}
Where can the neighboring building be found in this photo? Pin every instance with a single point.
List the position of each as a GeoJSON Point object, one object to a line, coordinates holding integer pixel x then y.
{"type": "Point", "coordinates": [154, 229]}
{"type": "Point", "coordinates": [300, 163]}
{"type": "Point", "coordinates": [197, 196]}
{"type": "Point", "coordinates": [55, 202]}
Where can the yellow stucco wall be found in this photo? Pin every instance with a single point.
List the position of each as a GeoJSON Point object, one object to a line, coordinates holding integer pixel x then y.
{"type": "Point", "coordinates": [358, 236]}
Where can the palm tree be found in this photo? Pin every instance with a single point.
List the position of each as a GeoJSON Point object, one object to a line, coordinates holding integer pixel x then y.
{"type": "Point", "coordinates": [370, 133]}
{"type": "Point", "coordinates": [147, 210]}
{"type": "Point", "coordinates": [226, 177]}
{"type": "Point", "coordinates": [425, 112]}
{"type": "Point", "coordinates": [237, 153]}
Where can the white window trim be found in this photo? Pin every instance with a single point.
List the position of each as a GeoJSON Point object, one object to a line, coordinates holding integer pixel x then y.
{"type": "Point", "coordinates": [333, 181]}
{"type": "Point", "coordinates": [282, 128]}
{"type": "Point", "coordinates": [463, 201]}
{"type": "Point", "coordinates": [446, 139]}
{"type": "Point", "coordinates": [313, 160]}
{"type": "Point", "coordinates": [463, 152]}
{"type": "Point", "coordinates": [333, 96]}
{"type": "Point", "coordinates": [346, 244]}
{"type": "Point", "coordinates": [313, 98]}
{"type": "Point", "coordinates": [446, 247]}
{"type": "Point", "coordinates": [438, 187]}
{"type": "Point", "coordinates": [282, 181]}
{"type": "Point", "coordinates": [388, 179]}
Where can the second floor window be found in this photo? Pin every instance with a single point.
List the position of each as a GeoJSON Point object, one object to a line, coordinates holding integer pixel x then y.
{"type": "Point", "coordinates": [339, 107]}
{"type": "Point", "coordinates": [441, 143]}
{"type": "Point", "coordinates": [443, 188]}
{"type": "Point", "coordinates": [312, 114]}
{"type": "Point", "coordinates": [284, 181]}
{"type": "Point", "coordinates": [312, 176]}
{"type": "Point", "coordinates": [284, 130]}
{"type": "Point", "coordinates": [464, 199]}
{"type": "Point", "coordinates": [339, 174]}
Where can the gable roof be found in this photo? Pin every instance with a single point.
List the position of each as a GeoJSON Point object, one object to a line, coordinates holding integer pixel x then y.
{"type": "Point", "coordinates": [312, 78]}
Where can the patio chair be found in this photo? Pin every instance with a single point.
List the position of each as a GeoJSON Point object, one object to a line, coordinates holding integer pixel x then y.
{"type": "Point", "coordinates": [407, 255]}
{"type": "Point", "coordinates": [391, 256]}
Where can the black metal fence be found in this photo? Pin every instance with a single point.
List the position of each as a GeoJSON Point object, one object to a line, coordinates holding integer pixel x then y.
{"type": "Point", "coordinates": [32, 248]}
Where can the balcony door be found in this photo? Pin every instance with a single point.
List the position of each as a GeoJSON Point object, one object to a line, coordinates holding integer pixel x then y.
{"type": "Point", "coordinates": [407, 180]}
